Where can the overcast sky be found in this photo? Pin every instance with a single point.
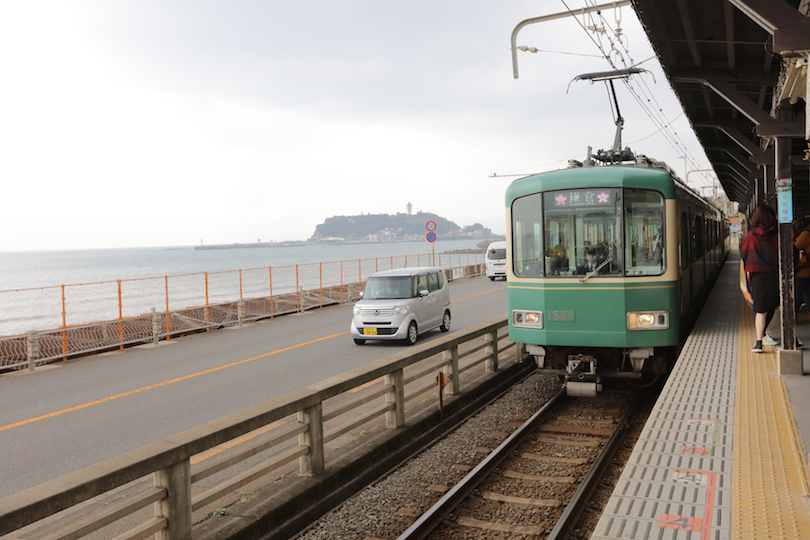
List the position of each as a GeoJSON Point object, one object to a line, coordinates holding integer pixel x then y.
{"type": "Point", "coordinates": [165, 123]}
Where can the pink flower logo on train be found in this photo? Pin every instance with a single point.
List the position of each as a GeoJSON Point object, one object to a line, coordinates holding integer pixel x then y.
{"type": "Point", "coordinates": [603, 197]}
{"type": "Point", "coordinates": [561, 199]}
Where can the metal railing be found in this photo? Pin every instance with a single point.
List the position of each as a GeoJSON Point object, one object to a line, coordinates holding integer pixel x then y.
{"type": "Point", "coordinates": [147, 310]}
{"type": "Point", "coordinates": [297, 426]}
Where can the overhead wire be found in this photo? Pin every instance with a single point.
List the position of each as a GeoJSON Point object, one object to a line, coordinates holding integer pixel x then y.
{"type": "Point", "coordinates": [674, 138]}
{"type": "Point", "coordinates": [656, 115]}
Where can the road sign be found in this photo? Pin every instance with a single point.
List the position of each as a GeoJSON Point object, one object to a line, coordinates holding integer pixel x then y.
{"type": "Point", "coordinates": [431, 226]}
{"type": "Point", "coordinates": [431, 237]}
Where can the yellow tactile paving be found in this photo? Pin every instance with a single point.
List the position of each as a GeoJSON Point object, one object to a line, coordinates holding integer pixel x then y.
{"type": "Point", "coordinates": [771, 498]}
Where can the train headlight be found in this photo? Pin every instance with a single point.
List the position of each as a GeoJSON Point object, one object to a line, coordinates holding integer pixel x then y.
{"type": "Point", "coordinates": [527, 319]}
{"type": "Point", "coordinates": [647, 320]}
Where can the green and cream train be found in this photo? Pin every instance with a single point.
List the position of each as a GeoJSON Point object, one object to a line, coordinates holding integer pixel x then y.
{"type": "Point", "coordinates": [607, 268]}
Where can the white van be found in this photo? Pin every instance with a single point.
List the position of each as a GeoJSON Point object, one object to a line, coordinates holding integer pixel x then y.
{"type": "Point", "coordinates": [402, 304]}
{"type": "Point", "coordinates": [496, 260]}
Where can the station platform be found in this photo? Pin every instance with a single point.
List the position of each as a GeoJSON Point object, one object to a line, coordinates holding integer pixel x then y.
{"type": "Point", "coordinates": [723, 453]}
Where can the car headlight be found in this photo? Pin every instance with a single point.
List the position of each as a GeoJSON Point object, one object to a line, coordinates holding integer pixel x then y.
{"type": "Point", "coordinates": [647, 320]}
{"type": "Point", "coordinates": [527, 319]}
{"type": "Point", "coordinates": [357, 310]}
{"type": "Point", "coordinates": [401, 310]}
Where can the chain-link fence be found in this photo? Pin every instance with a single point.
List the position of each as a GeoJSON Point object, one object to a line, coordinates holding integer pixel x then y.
{"type": "Point", "coordinates": [47, 324]}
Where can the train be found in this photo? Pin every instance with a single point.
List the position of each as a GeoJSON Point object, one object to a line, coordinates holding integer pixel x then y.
{"type": "Point", "coordinates": [608, 264]}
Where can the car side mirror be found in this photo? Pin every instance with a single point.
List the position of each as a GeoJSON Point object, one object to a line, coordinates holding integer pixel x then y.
{"type": "Point", "coordinates": [423, 292]}
{"type": "Point", "coordinates": [361, 294]}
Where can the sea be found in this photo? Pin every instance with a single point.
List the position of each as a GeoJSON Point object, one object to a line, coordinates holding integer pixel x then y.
{"type": "Point", "coordinates": [48, 289]}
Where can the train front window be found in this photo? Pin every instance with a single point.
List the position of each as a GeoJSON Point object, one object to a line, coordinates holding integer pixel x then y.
{"type": "Point", "coordinates": [527, 236]}
{"type": "Point", "coordinates": [583, 232]}
{"type": "Point", "coordinates": [644, 232]}
{"type": "Point", "coordinates": [578, 233]}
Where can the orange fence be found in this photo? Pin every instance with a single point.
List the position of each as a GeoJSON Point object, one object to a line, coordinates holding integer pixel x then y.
{"type": "Point", "coordinates": [51, 323]}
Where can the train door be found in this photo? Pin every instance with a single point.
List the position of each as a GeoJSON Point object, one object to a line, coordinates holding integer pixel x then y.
{"type": "Point", "coordinates": [685, 270]}
{"type": "Point", "coordinates": [698, 255]}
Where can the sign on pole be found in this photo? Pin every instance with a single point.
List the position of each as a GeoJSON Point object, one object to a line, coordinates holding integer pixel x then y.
{"type": "Point", "coordinates": [431, 237]}
{"type": "Point", "coordinates": [784, 199]}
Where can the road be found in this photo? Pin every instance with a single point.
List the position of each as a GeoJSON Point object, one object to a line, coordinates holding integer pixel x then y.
{"type": "Point", "coordinates": [64, 417]}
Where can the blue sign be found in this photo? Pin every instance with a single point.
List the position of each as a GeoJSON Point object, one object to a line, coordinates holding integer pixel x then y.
{"type": "Point", "coordinates": [784, 200]}
{"type": "Point", "coordinates": [431, 237]}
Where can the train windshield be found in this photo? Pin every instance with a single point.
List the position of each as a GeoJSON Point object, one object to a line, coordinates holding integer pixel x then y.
{"type": "Point", "coordinates": [578, 233]}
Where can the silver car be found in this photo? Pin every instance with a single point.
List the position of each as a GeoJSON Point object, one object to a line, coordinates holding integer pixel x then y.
{"type": "Point", "coordinates": [402, 304]}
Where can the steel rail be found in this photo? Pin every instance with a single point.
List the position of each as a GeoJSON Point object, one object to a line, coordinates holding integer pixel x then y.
{"type": "Point", "coordinates": [570, 517]}
{"type": "Point", "coordinates": [434, 516]}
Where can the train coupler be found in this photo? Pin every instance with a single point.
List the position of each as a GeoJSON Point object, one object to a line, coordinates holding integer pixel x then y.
{"type": "Point", "coordinates": [582, 388]}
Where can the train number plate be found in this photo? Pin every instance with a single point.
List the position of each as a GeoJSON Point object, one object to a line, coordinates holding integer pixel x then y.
{"type": "Point", "coordinates": [561, 316]}
{"type": "Point", "coordinates": [369, 331]}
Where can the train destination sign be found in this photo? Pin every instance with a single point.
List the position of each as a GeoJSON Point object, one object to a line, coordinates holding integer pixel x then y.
{"type": "Point", "coordinates": [589, 197]}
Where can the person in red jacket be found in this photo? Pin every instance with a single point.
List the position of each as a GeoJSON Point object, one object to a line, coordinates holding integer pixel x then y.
{"type": "Point", "coordinates": [760, 254]}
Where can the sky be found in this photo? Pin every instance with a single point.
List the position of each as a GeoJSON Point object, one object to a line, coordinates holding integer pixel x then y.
{"type": "Point", "coordinates": [139, 123]}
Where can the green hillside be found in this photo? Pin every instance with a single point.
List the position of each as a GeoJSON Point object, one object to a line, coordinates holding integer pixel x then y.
{"type": "Point", "coordinates": [399, 226]}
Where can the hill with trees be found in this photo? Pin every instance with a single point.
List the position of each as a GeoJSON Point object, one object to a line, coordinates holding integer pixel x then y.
{"type": "Point", "coordinates": [391, 228]}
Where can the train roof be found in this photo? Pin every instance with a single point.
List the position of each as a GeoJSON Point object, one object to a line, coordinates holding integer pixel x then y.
{"type": "Point", "coordinates": [644, 174]}
{"type": "Point", "coordinates": [627, 176]}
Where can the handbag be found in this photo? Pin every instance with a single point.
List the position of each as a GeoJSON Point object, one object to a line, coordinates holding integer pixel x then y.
{"type": "Point", "coordinates": [745, 285]}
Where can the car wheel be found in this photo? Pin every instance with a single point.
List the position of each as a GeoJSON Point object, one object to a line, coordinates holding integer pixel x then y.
{"type": "Point", "coordinates": [413, 334]}
{"type": "Point", "coordinates": [445, 322]}
{"type": "Point", "coordinates": [492, 278]}
{"type": "Point", "coordinates": [359, 341]}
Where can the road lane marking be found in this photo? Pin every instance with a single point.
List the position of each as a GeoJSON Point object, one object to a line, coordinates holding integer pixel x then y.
{"type": "Point", "coordinates": [364, 386]}
{"type": "Point", "coordinates": [234, 442]}
{"type": "Point", "coordinates": [165, 383]}
{"type": "Point", "coordinates": [193, 375]}
{"type": "Point", "coordinates": [479, 294]}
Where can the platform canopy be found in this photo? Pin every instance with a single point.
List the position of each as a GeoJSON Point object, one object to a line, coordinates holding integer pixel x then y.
{"type": "Point", "coordinates": [739, 68]}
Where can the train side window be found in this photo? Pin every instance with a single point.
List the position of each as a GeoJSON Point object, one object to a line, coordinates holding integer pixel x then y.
{"type": "Point", "coordinates": [697, 231]}
{"type": "Point", "coordinates": [644, 232]}
{"type": "Point", "coordinates": [527, 236]}
{"type": "Point", "coordinates": [686, 240]}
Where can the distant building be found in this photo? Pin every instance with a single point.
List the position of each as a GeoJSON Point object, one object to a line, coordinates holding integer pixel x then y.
{"type": "Point", "coordinates": [409, 206]}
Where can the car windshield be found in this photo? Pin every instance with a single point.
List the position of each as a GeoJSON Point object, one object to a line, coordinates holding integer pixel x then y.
{"type": "Point", "coordinates": [497, 254]}
{"type": "Point", "coordinates": [388, 288]}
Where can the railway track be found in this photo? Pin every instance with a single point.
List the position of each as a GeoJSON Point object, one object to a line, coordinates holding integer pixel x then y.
{"type": "Point", "coordinates": [540, 479]}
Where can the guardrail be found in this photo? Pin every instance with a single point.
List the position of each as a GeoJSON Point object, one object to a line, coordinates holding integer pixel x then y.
{"type": "Point", "coordinates": [316, 415]}
{"type": "Point", "coordinates": [291, 289]}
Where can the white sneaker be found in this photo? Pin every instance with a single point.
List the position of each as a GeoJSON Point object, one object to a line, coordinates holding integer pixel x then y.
{"type": "Point", "coordinates": [768, 340]}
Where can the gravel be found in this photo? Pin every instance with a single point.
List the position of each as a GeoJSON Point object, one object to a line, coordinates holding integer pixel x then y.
{"type": "Point", "coordinates": [388, 507]}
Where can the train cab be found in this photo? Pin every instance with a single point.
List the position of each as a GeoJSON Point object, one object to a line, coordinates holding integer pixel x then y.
{"type": "Point", "coordinates": [595, 271]}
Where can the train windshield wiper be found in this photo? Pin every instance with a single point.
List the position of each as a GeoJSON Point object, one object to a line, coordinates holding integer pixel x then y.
{"type": "Point", "coordinates": [595, 270]}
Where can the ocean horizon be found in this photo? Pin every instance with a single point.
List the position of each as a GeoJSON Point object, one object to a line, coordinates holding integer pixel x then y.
{"type": "Point", "coordinates": [40, 289]}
